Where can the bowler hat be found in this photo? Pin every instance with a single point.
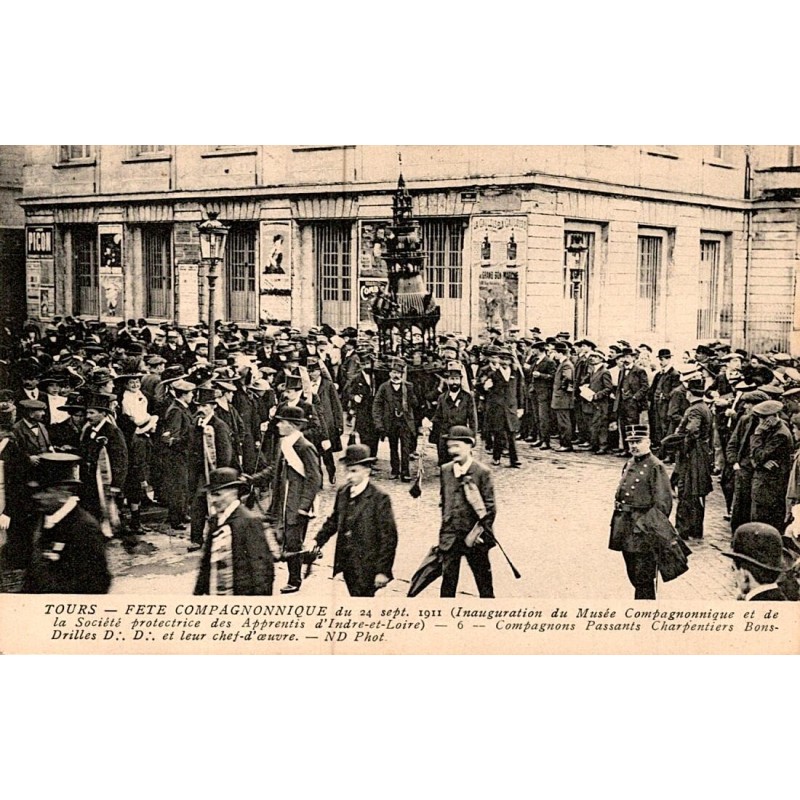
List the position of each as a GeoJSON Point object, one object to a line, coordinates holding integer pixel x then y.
{"type": "Point", "coordinates": [56, 469]}
{"type": "Point", "coordinates": [767, 408]}
{"type": "Point", "coordinates": [75, 402]}
{"type": "Point", "coordinates": [397, 364]}
{"type": "Point", "coordinates": [664, 353]}
{"type": "Point", "coordinates": [357, 454]}
{"type": "Point", "coordinates": [758, 543]}
{"type": "Point", "coordinates": [224, 478]}
{"type": "Point", "coordinates": [461, 433]}
{"type": "Point", "coordinates": [313, 365]}
{"type": "Point", "coordinates": [293, 414]}
{"type": "Point", "coordinates": [561, 347]}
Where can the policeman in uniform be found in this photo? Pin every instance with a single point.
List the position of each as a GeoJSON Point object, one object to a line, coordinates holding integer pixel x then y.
{"type": "Point", "coordinates": [644, 485]}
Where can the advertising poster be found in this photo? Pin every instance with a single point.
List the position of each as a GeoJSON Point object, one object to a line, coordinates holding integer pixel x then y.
{"type": "Point", "coordinates": [371, 248]}
{"type": "Point", "coordinates": [499, 257]}
{"type": "Point", "coordinates": [276, 271]}
{"type": "Point", "coordinates": [368, 289]}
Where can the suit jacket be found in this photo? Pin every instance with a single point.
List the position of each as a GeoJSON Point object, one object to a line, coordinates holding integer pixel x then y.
{"type": "Point", "coordinates": [223, 445]}
{"type": "Point", "coordinates": [601, 384]}
{"type": "Point", "coordinates": [367, 533]}
{"type": "Point", "coordinates": [291, 491]}
{"type": "Point", "coordinates": [449, 413]}
{"type": "Point", "coordinates": [458, 516]}
{"type": "Point", "coordinates": [253, 569]}
{"type": "Point", "coordinates": [542, 385]}
{"type": "Point", "coordinates": [502, 398]}
{"type": "Point", "coordinates": [28, 440]}
{"type": "Point", "coordinates": [387, 408]}
{"type": "Point", "coordinates": [662, 386]}
{"type": "Point", "coordinates": [563, 382]}
{"type": "Point", "coordinates": [358, 387]}
{"type": "Point", "coordinates": [112, 438]}
{"type": "Point", "coordinates": [176, 431]}
{"type": "Point", "coordinates": [70, 558]}
{"type": "Point", "coordinates": [633, 388]}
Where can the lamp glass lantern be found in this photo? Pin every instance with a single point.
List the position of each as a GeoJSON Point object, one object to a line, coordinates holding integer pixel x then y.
{"type": "Point", "coordinates": [213, 235]}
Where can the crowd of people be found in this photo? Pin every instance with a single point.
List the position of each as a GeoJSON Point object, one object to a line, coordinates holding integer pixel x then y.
{"type": "Point", "coordinates": [110, 420]}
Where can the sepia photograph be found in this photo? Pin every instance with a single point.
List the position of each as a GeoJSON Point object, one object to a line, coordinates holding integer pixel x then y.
{"type": "Point", "coordinates": [407, 373]}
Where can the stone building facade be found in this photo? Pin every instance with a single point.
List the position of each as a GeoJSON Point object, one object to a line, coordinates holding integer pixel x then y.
{"type": "Point", "coordinates": [662, 244]}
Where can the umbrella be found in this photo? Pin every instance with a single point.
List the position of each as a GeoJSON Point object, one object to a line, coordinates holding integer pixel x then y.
{"type": "Point", "coordinates": [429, 570]}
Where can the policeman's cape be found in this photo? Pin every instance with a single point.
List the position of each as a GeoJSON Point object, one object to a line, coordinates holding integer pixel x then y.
{"type": "Point", "coordinates": [671, 551]}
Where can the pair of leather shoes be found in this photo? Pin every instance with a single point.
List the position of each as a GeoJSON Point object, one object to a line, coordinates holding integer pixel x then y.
{"type": "Point", "coordinates": [193, 546]}
{"type": "Point", "coordinates": [290, 588]}
{"type": "Point", "coordinates": [563, 450]}
{"type": "Point", "coordinates": [515, 464]}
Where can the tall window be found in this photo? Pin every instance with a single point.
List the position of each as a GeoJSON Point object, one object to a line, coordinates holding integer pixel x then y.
{"type": "Point", "coordinates": [240, 262]}
{"type": "Point", "coordinates": [84, 270]}
{"type": "Point", "coordinates": [715, 291]}
{"type": "Point", "coordinates": [74, 152]}
{"type": "Point", "coordinates": [332, 249]}
{"type": "Point", "coordinates": [443, 248]}
{"type": "Point", "coordinates": [157, 270]}
{"type": "Point", "coordinates": [718, 151]}
{"type": "Point", "coordinates": [649, 280]}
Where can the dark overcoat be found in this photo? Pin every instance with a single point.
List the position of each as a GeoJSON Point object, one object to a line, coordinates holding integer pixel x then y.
{"type": "Point", "coordinates": [502, 398]}
{"type": "Point", "coordinates": [253, 569]}
{"type": "Point", "coordinates": [366, 534]}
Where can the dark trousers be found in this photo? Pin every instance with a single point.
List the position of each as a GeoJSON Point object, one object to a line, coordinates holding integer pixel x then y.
{"type": "Point", "coordinates": [641, 569]}
{"type": "Point", "coordinates": [296, 533]}
{"type": "Point", "coordinates": [176, 494]}
{"type": "Point", "coordinates": [358, 584]}
{"type": "Point", "coordinates": [543, 418]}
{"type": "Point", "coordinates": [400, 443]}
{"type": "Point", "coordinates": [371, 440]}
{"type": "Point", "coordinates": [741, 505]}
{"type": "Point", "coordinates": [583, 421]}
{"type": "Point", "coordinates": [507, 435]}
{"type": "Point", "coordinates": [598, 429]}
{"type": "Point", "coordinates": [330, 464]}
{"type": "Point", "coordinates": [689, 516]}
{"type": "Point", "coordinates": [198, 514]}
{"type": "Point", "coordinates": [478, 560]}
{"type": "Point", "coordinates": [441, 449]}
{"type": "Point", "coordinates": [564, 419]}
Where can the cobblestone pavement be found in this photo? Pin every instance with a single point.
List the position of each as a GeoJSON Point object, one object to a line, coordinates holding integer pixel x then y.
{"type": "Point", "coordinates": [553, 522]}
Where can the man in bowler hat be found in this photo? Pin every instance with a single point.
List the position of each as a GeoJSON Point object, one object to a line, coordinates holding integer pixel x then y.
{"type": "Point", "coordinates": [462, 478]}
{"type": "Point", "coordinates": [758, 558]}
{"type": "Point", "coordinates": [363, 522]}
{"type": "Point", "coordinates": [69, 547]}
{"type": "Point", "coordinates": [236, 559]}
{"type": "Point", "coordinates": [296, 480]}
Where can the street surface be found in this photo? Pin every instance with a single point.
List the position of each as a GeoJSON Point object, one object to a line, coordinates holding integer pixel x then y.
{"type": "Point", "coordinates": [553, 521]}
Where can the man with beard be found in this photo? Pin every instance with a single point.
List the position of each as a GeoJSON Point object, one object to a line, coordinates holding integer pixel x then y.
{"type": "Point", "coordinates": [364, 526]}
{"type": "Point", "coordinates": [361, 393]}
{"type": "Point", "coordinates": [455, 406]}
{"type": "Point", "coordinates": [393, 412]}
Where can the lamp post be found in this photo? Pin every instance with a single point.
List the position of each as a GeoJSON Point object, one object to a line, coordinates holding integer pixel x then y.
{"type": "Point", "coordinates": [577, 250]}
{"type": "Point", "coordinates": [212, 250]}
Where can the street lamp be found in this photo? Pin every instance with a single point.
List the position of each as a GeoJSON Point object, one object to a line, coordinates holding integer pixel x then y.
{"type": "Point", "coordinates": [577, 250]}
{"type": "Point", "coordinates": [212, 250]}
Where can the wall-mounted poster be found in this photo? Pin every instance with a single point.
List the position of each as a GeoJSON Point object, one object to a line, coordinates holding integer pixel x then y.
{"type": "Point", "coordinates": [111, 293]}
{"type": "Point", "coordinates": [39, 241]}
{"type": "Point", "coordinates": [499, 256]}
{"type": "Point", "coordinates": [368, 289]}
{"type": "Point", "coordinates": [110, 250]}
{"type": "Point", "coordinates": [188, 295]}
{"type": "Point", "coordinates": [45, 302]}
{"type": "Point", "coordinates": [372, 240]}
{"type": "Point", "coordinates": [32, 300]}
{"type": "Point", "coordinates": [276, 271]}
